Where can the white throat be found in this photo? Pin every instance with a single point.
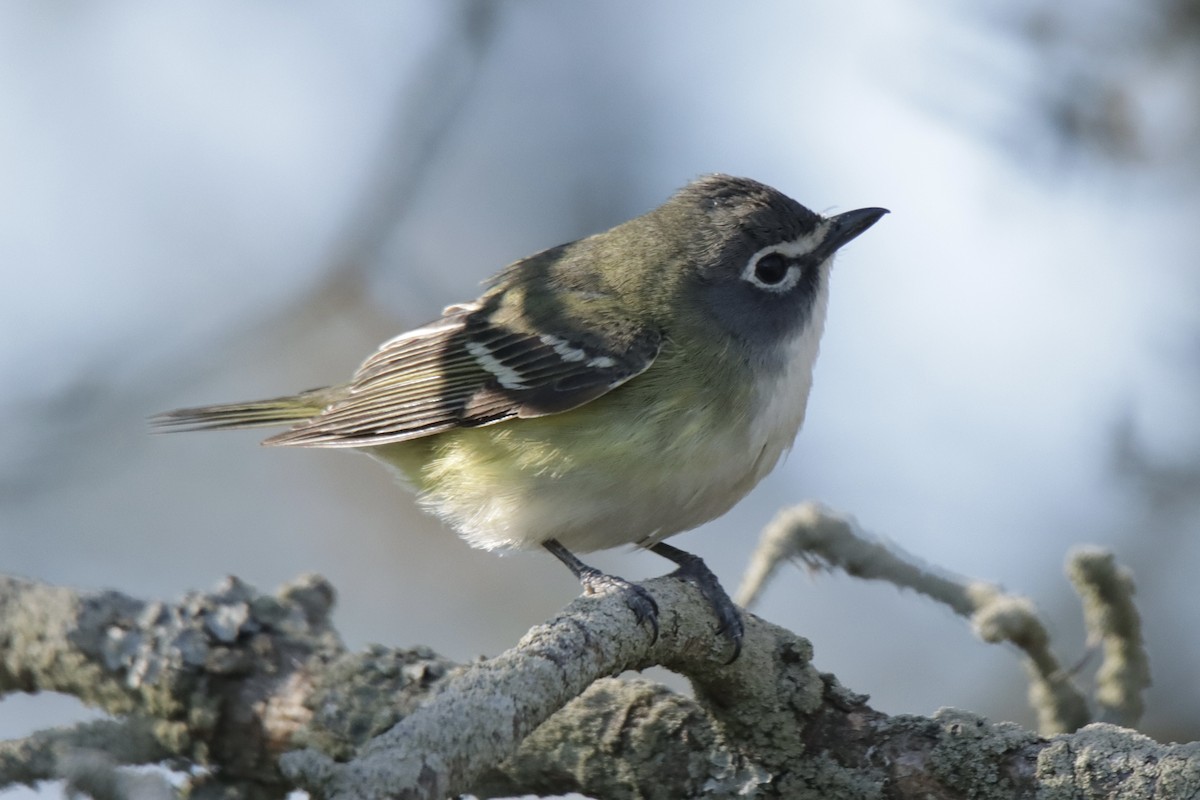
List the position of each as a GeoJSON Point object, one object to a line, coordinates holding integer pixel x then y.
{"type": "Point", "coordinates": [783, 395]}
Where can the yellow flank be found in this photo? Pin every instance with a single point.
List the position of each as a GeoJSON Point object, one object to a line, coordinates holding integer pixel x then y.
{"type": "Point", "coordinates": [638, 466]}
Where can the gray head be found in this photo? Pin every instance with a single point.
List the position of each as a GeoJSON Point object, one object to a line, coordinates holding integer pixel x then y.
{"type": "Point", "coordinates": [762, 259]}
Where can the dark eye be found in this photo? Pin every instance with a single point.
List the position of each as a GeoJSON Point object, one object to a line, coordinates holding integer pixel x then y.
{"type": "Point", "coordinates": [771, 269]}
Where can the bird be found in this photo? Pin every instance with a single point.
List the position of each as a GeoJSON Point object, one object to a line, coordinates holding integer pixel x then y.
{"type": "Point", "coordinates": [614, 390]}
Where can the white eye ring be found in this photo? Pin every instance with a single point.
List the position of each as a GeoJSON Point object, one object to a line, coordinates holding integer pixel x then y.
{"type": "Point", "coordinates": [784, 284]}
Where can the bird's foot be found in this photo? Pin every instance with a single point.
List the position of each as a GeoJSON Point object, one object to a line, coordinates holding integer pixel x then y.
{"type": "Point", "coordinates": [693, 570]}
{"type": "Point", "coordinates": [639, 601]}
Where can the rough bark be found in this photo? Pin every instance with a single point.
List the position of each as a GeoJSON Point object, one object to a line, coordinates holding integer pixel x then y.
{"type": "Point", "coordinates": [259, 690]}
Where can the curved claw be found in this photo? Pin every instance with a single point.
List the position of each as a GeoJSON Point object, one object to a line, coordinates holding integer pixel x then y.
{"type": "Point", "coordinates": [693, 570]}
{"type": "Point", "coordinates": [644, 609]}
{"type": "Point", "coordinates": [639, 601]}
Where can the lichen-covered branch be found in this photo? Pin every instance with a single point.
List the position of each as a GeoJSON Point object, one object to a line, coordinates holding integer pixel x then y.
{"type": "Point", "coordinates": [47, 754]}
{"type": "Point", "coordinates": [626, 738]}
{"type": "Point", "coordinates": [824, 539]}
{"type": "Point", "coordinates": [259, 690]}
{"type": "Point", "coordinates": [501, 701]}
{"type": "Point", "coordinates": [1112, 622]}
{"type": "Point", "coordinates": [217, 679]}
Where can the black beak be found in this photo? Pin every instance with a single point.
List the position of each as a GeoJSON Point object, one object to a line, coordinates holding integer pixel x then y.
{"type": "Point", "coordinates": [848, 226]}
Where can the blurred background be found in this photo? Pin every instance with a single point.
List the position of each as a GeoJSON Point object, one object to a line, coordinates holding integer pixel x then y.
{"type": "Point", "coordinates": [225, 201]}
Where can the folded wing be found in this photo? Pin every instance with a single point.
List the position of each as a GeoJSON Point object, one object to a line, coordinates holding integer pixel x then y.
{"type": "Point", "coordinates": [477, 365]}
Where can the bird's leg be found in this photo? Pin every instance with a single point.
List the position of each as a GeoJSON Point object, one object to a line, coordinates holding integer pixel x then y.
{"type": "Point", "coordinates": [596, 582]}
{"type": "Point", "coordinates": [693, 570]}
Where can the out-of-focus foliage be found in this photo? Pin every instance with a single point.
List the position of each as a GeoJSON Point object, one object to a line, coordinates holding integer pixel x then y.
{"type": "Point", "coordinates": [1115, 81]}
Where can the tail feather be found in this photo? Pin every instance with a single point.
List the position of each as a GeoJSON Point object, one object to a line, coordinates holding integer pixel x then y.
{"type": "Point", "coordinates": [254, 414]}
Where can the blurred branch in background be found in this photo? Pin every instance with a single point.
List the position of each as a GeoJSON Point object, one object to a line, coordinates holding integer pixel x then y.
{"type": "Point", "coordinates": [1115, 626]}
{"type": "Point", "coordinates": [1114, 82]}
{"type": "Point", "coordinates": [1112, 89]}
{"type": "Point", "coordinates": [1162, 529]}
{"type": "Point", "coordinates": [825, 540]}
{"type": "Point", "coordinates": [427, 105]}
{"type": "Point", "coordinates": [425, 111]}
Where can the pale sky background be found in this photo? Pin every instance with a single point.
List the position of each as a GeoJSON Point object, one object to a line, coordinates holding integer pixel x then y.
{"type": "Point", "coordinates": [1011, 365]}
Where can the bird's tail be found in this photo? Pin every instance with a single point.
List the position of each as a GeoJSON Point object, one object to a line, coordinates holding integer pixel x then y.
{"type": "Point", "coordinates": [255, 414]}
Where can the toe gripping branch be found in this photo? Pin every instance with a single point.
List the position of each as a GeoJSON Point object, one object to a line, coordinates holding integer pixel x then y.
{"type": "Point", "coordinates": [691, 569]}
{"type": "Point", "coordinates": [644, 609]}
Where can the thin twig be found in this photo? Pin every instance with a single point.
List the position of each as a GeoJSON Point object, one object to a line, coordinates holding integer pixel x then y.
{"type": "Point", "coordinates": [823, 539]}
{"type": "Point", "coordinates": [1113, 623]}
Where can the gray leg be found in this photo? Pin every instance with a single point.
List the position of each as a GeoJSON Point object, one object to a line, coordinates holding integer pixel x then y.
{"type": "Point", "coordinates": [693, 570]}
{"type": "Point", "coordinates": [596, 582]}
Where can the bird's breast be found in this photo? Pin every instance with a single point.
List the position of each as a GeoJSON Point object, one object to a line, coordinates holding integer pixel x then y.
{"type": "Point", "coordinates": [633, 467]}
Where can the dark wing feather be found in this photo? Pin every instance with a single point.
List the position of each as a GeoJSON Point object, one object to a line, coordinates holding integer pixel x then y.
{"type": "Point", "coordinates": [472, 368]}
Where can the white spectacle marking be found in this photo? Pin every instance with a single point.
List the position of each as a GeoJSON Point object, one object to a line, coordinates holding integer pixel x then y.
{"type": "Point", "coordinates": [509, 378]}
{"type": "Point", "coordinates": [564, 348]}
{"type": "Point", "coordinates": [804, 245]}
{"type": "Point", "coordinates": [789, 250]}
{"type": "Point", "coordinates": [790, 278]}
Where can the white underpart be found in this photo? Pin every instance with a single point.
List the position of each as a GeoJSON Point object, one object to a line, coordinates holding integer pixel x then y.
{"type": "Point", "coordinates": [508, 377]}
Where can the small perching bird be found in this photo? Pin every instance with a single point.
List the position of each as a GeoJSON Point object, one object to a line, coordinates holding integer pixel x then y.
{"type": "Point", "coordinates": [615, 390]}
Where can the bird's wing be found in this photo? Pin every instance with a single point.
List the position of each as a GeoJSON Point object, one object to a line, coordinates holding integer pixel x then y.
{"type": "Point", "coordinates": [479, 364]}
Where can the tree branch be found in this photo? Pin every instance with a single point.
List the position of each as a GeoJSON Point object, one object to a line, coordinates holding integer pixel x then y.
{"type": "Point", "coordinates": [1113, 622]}
{"type": "Point", "coordinates": [47, 755]}
{"type": "Point", "coordinates": [824, 539]}
{"type": "Point", "coordinates": [244, 684]}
